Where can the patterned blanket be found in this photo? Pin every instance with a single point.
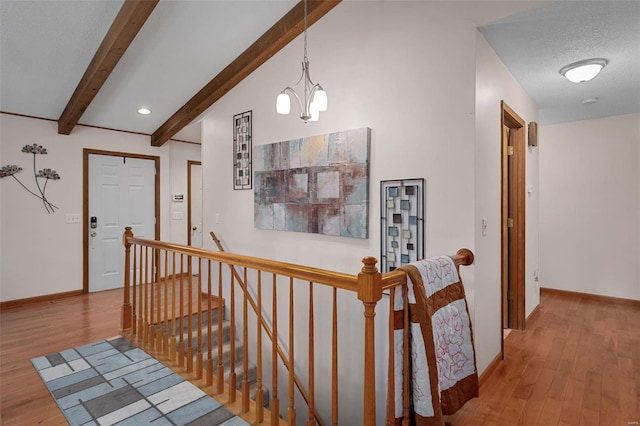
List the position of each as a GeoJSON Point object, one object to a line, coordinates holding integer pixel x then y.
{"type": "Point", "coordinates": [442, 367]}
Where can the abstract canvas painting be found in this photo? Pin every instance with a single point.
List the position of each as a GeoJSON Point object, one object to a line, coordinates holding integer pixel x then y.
{"type": "Point", "coordinates": [318, 184]}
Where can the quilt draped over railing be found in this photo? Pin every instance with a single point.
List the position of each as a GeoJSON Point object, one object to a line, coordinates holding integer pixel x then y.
{"type": "Point", "coordinates": [442, 372]}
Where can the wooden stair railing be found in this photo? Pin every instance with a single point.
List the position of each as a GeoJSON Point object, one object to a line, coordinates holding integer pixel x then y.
{"type": "Point", "coordinates": [308, 398]}
{"type": "Point", "coordinates": [154, 317]}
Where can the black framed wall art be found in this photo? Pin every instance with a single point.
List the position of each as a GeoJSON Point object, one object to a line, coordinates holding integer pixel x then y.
{"type": "Point", "coordinates": [242, 169]}
{"type": "Point", "coordinates": [402, 222]}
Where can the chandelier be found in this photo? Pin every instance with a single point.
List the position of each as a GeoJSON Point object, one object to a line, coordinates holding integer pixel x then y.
{"type": "Point", "coordinates": [314, 98]}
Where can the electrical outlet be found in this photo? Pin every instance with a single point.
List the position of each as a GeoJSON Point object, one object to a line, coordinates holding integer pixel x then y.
{"type": "Point", "coordinates": [72, 218]}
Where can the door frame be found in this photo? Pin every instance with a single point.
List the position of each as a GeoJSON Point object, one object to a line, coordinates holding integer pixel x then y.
{"type": "Point", "coordinates": [189, 164]}
{"type": "Point", "coordinates": [513, 247]}
{"type": "Point", "coordinates": [85, 203]}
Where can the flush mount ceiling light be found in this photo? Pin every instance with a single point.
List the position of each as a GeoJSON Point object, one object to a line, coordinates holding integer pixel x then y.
{"type": "Point", "coordinates": [314, 98]}
{"type": "Point", "coordinates": [144, 111]}
{"type": "Point", "coordinates": [581, 71]}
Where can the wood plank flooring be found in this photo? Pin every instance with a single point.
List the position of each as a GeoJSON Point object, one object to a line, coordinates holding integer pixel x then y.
{"type": "Point", "coordinates": [40, 329]}
{"type": "Point", "coordinates": [578, 363]}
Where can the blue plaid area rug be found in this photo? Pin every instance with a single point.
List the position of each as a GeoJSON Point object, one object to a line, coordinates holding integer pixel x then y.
{"type": "Point", "coordinates": [114, 382]}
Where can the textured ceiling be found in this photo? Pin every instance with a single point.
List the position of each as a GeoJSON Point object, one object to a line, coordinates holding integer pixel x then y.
{"type": "Point", "coordinates": [46, 45]}
{"type": "Point", "coordinates": [534, 45]}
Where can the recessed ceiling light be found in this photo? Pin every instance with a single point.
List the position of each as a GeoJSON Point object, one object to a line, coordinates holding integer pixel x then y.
{"type": "Point", "coordinates": [144, 111]}
{"type": "Point", "coordinates": [582, 71]}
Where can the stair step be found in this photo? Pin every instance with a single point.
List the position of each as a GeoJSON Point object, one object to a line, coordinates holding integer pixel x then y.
{"type": "Point", "coordinates": [252, 373]}
{"type": "Point", "coordinates": [226, 353]}
{"type": "Point", "coordinates": [226, 333]}
{"type": "Point", "coordinates": [174, 324]}
{"type": "Point", "coordinates": [252, 370]}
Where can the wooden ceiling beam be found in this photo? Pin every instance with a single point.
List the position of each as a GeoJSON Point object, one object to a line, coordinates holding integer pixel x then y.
{"type": "Point", "coordinates": [271, 42]}
{"type": "Point", "coordinates": [132, 16]}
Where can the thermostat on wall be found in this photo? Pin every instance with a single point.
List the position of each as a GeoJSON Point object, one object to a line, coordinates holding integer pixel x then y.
{"type": "Point", "coordinates": [177, 198]}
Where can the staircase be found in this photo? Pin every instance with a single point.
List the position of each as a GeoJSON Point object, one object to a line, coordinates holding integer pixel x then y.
{"type": "Point", "coordinates": [181, 332]}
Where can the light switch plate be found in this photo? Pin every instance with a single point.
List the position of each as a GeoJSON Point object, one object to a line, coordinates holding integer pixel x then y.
{"type": "Point", "coordinates": [72, 218]}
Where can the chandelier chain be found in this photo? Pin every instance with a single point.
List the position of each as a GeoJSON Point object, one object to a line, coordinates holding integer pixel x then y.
{"type": "Point", "coordinates": [305, 30]}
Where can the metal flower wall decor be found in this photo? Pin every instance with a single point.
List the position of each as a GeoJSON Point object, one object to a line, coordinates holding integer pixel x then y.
{"type": "Point", "coordinates": [46, 174]}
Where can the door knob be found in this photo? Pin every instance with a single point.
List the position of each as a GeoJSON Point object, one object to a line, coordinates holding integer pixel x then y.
{"type": "Point", "coordinates": [93, 234]}
{"type": "Point", "coordinates": [194, 228]}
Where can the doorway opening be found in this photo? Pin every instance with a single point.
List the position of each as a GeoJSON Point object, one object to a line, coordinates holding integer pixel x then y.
{"type": "Point", "coordinates": [92, 225]}
{"type": "Point", "coordinates": [194, 209]}
{"type": "Point", "coordinates": [194, 203]}
{"type": "Point", "coordinates": [513, 219]}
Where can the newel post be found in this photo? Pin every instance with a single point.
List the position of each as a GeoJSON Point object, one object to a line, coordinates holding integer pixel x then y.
{"type": "Point", "coordinates": [369, 292]}
{"type": "Point", "coordinates": [126, 305]}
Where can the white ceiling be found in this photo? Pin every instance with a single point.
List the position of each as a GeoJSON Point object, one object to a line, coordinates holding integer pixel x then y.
{"type": "Point", "coordinates": [45, 47]}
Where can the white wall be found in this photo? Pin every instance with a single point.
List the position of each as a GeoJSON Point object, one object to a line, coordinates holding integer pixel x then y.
{"type": "Point", "coordinates": [493, 84]}
{"type": "Point", "coordinates": [180, 154]}
{"type": "Point", "coordinates": [41, 254]}
{"type": "Point", "coordinates": [590, 206]}
{"type": "Point", "coordinates": [409, 75]}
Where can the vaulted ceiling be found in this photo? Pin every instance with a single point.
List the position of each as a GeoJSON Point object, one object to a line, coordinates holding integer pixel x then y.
{"type": "Point", "coordinates": [95, 62]}
{"type": "Point", "coordinates": [175, 57]}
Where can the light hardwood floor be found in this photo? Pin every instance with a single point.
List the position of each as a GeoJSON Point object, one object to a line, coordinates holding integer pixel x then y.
{"type": "Point", "coordinates": [578, 363]}
{"type": "Point", "coordinates": [40, 329]}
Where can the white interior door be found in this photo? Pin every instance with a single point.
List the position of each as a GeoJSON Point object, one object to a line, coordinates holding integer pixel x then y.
{"type": "Point", "coordinates": [195, 200]}
{"type": "Point", "coordinates": [121, 193]}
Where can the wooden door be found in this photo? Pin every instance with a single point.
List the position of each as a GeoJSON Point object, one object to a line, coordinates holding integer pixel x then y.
{"type": "Point", "coordinates": [513, 219]}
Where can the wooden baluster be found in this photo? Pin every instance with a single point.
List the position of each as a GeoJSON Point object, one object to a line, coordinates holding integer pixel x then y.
{"type": "Point", "coordinates": [232, 357]}
{"type": "Point", "coordinates": [275, 402]}
{"type": "Point", "coordinates": [291, 409]}
{"type": "Point", "coordinates": [405, 361]}
{"type": "Point", "coordinates": [369, 292]}
{"type": "Point", "coordinates": [189, 316]}
{"type": "Point", "coordinates": [174, 330]}
{"type": "Point", "coordinates": [158, 325]}
{"type": "Point", "coordinates": [165, 328]}
{"type": "Point", "coordinates": [180, 330]}
{"type": "Point", "coordinates": [199, 346]}
{"type": "Point", "coordinates": [141, 308]}
{"type": "Point", "coordinates": [125, 319]}
{"type": "Point", "coordinates": [134, 311]}
{"type": "Point", "coordinates": [209, 327]}
{"type": "Point", "coordinates": [146, 295]}
{"type": "Point", "coordinates": [245, 346]}
{"type": "Point", "coordinates": [311, 421]}
{"type": "Point", "coordinates": [152, 285]}
{"type": "Point", "coordinates": [220, 371]}
{"type": "Point", "coordinates": [259, 390]}
{"type": "Point", "coordinates": [334, 360]}
{"type": "Point", "coordinates": [391, 390]}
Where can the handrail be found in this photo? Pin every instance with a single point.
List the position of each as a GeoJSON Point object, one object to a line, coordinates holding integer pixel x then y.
{"type": "Point", "coordinates": [463, 257]}
{"type": "Point", "coordinates": [307, 273]}
{"type": "Point", "coordinates": [368, 285]}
